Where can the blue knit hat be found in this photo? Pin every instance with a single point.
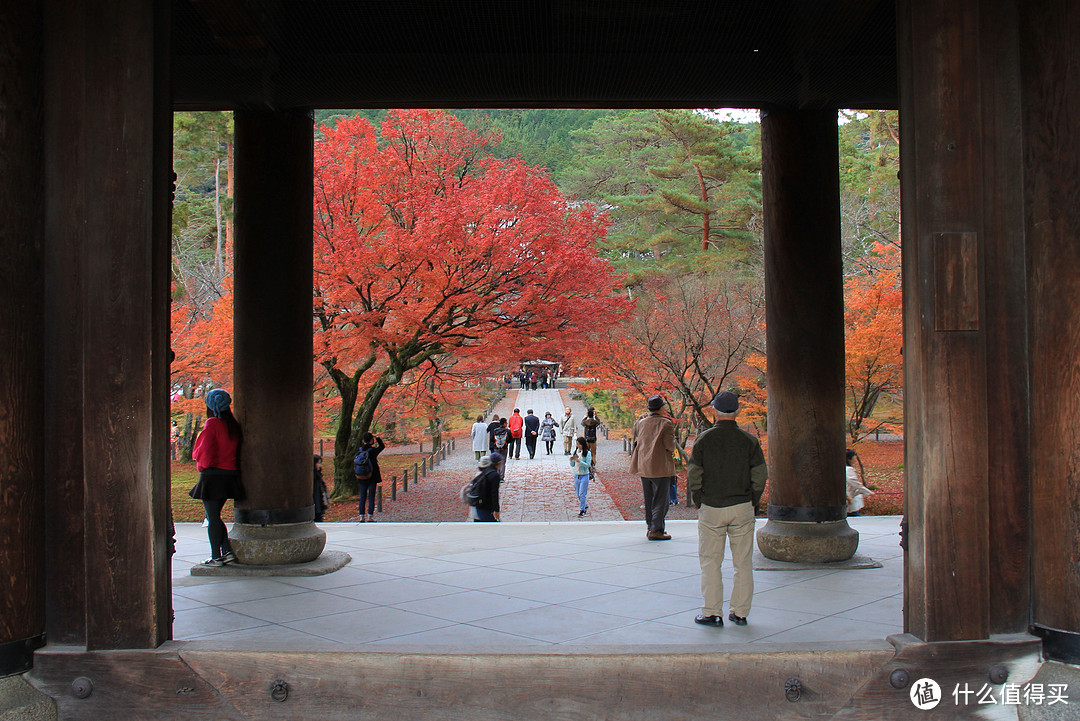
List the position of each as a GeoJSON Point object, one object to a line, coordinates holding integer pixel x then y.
{"type": "Point", "coordinates": [218, 400]}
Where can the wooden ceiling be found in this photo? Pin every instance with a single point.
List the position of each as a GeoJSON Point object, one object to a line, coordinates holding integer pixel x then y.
{"type": "Point", "coordinates": [535, 53]}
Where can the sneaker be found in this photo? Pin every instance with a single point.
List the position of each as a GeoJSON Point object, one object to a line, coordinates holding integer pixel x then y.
{"type": "Point", "coordinates": [709, 621]}
{"type": "Point", "coordinates": [229, 557]}
{"type": "Point", "coordinates": [581, 513]}
{"type": "Point", "coordinates": [214, 562]}
{"type": "Point", "coordinates": [737, 620]}
{"type": "Point", "coordinates": [658, 536]}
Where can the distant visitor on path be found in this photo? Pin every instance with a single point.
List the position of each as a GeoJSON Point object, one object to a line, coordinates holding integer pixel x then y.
{"type": "Point", "coordinates": [532, 432]}
{"type": "Point", "coordinates": [652, 458]}
{"type": "Point", "coordinates": [856, 491]}
{"type": "Point", "coordinates": [215, 453]}
{"type": "Point", "coordinates": [534, 378]}
{"type": "Point", "coordinates": [549, 429]}
{"type": "Point", "coordinates": [544, 380]}
{"type": "Point", "coordinates": [516, 424]}
{"type": "Point", "coordinates": [479, 435]}
{"type": "Point", "coordinates": [727, 476]}
{"type": "Point", "coordinates": [492, 427]}
{"type": "Point", "coordinates": [318, 489]}
{"type": "Point", "coordinates": [368, 475]}
{"type": "Point", "coordinates": [568, 428]}
{"type": "Point", "coordinates": [581, 463]}
{"type": "Point", "coordinates": [590, 426]}
{"type": "Point", "coordinates": [500, 439]}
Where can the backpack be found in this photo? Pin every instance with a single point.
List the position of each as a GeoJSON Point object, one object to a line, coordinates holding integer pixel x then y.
{"type": "Point", "coordinates": [362, 465]}
{"type": "Point", "coordinates": [590, 433]}
{"type": "Point", "coordinates": [470, 492]}
{"type": "Point", "coordinates": [500, 438]}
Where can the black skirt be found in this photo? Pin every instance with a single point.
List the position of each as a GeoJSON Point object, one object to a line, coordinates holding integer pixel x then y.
{"type": "Point", "coordinates": [216, 484]}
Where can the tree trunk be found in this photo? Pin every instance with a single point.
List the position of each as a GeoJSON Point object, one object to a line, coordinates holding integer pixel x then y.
{"type": "Point", "coordinates": [352, 428]}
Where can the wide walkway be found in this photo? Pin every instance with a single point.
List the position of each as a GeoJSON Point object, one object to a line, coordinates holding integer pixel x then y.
{"type": "Point", "coordinates": [541, 489]}
{"type": "Point", "coordinates": [506, 586]}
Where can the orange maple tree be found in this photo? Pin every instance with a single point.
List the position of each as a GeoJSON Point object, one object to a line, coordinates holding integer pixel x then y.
{"type": "Point", "coordinates": [427, 249]}
{"type": "Point", "coordinates": [873, 340]}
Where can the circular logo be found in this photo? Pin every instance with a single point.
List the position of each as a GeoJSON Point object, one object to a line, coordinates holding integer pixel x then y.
{"type": "Point", "coordinates": [925, 694]}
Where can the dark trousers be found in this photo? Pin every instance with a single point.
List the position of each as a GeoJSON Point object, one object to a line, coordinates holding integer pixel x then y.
{"type": "Point", "coordinates": [656, 492]}
{"type": "Point", "coordinates": [513, 448]}
{"type": "Point", "coordinates": [219, 535]}
{"type": "Point", "coordinates": [530, 443]}
{"type": "Point", "coordinates": [483, 516]}
{"type": "Point", "coordinates": [550, 445]}
{"type": "Point", "coordinates": [367, 494]}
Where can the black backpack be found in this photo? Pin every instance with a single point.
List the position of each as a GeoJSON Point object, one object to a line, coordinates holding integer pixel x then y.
{"type": "Point", "coordinates": [362, 465]}
{"type": "Point", "coordinates": [590, 433]}
{"type": "Point", "coordinates": [470, 492]}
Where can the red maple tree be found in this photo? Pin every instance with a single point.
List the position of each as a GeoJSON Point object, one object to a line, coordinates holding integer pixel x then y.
{"type": "Point", "coordinates": [427, 249]}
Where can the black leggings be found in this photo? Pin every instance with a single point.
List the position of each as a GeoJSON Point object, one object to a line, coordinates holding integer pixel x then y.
{"type": "Point", "coordinates": [219, 535]}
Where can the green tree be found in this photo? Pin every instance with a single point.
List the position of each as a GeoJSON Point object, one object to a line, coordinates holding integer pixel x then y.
{"type": "Point", "coordinates": [682, 187]}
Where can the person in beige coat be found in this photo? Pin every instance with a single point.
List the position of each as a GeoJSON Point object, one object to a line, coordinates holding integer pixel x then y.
{"type": "Point", "coordinates": [652, 458]}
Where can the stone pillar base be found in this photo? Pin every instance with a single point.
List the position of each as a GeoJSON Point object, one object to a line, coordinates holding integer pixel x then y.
{"type": "Point", "coordinates": [798, 542]}
{"type": "Point", "coordinates": [277, 544]}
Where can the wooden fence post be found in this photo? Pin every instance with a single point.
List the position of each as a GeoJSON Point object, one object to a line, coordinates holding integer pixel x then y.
{"type": "Point", "coordinates": [393, 488]}
{"type": "Point", "coordinates": [423, 466]}
{"type": "Point", "coordinates": [378, 499]}
{"type": "Point", "coordinates": [416, 472]}
{"type": "Point", "coordinates": [405, 480]}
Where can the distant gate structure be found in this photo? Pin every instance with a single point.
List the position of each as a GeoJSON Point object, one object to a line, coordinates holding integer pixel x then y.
{"type": "Point", "coordinates": [989, 99]}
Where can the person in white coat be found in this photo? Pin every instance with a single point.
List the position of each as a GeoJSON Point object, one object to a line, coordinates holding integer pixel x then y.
{"type": "Point", "coordinates": [479, 435]}
{"type": "Point", "coordinates": [568, 426]}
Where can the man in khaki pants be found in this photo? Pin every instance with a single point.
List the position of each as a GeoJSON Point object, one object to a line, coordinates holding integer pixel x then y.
{"type": "Point", "coordinates": [727, 475]}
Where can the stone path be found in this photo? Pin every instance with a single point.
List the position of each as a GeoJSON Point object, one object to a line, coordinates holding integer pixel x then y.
{"type": "Point", "coordinates": [542, 488]}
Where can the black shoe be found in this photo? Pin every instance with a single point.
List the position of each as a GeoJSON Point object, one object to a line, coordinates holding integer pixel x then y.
{"type": "Point", "coordinates": [737, 620]}
{"type": "Point", "coordinates": [709, 621]}
{"type": "Point", "coordinates": [581, 513]}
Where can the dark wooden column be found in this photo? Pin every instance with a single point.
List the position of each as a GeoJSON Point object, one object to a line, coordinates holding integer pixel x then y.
{"type": "Point", "coordinates": [805, 339]}
{"type": "Point", "coordinates": [22, 486]}
{"type": "Point", "coordinates": [109, 130]}
{"type": "Point", "coordinates": [273, 336]}
{"type": "Point", "coordinates": [1051, 114]}
{"type": "Point", "coordinates": [965, 335]}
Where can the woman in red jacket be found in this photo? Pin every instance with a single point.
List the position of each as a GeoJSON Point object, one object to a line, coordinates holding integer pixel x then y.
{"type": "Point", "coordinates": [216, 453]}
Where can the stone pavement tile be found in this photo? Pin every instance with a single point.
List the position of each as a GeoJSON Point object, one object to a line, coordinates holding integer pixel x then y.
{"type": "Point", "coordinates": [553, 566]}
{"type": "Point", "coordinates": [281, 609]}
{"type": "Point", "coordinates": [634, 636]}
{"type": "Point", "coordinates": [394, 591]}
{"type": "Point", "coordinates": [476, 577]}
{"type": "Point", "coordinates": [458, 636]}
{"type": "Point", "coordinates": [888, 611]}
{"type": "Point", "coordinates": [368, 625]}
{"type": "Point", "coordinates": [835, 628]}
{"type": "Point", "coordinates": [348, 576]}
{"type": "Point", "coordinates": [210, 620]}
{"type": "Point", "coordinates": [813, 600]}
{"type": "Point", "coordinates": [627, 575]}
{"type": "Point", "coordinates": [240, 589]}
{"type": "Point", "coordinates": [469, 606]}
{"type": "Point", "coordinates": [554, 589]}
{"type": "Point", "coordinates": [554, 624]}
{"type": "Point", "coordinates": [268, 638]}
{"type": "Point", "coordinates": [635, 603]}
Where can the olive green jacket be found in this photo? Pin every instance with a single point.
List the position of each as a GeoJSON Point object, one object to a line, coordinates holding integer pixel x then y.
{"type": "Point", "coordinates": [727, 467]}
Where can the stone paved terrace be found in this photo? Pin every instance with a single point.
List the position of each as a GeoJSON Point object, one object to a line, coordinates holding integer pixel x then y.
{"type": "Point", "coordinates": [557, 585]}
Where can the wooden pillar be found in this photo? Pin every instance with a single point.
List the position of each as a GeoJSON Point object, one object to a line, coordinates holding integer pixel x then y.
{"type": "Point", "coordinates": [273, 336]}
{"type": "Point", "coordinates": [1051, 113]}
{"type": "Point", "coordinates": [805, 339]}
{"type": "Point", "coordinates": [965, 335]}
{"type": "Point", "coordinates": [22, 486]}
{"type": "Point", "coordinates": [125, 111]}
